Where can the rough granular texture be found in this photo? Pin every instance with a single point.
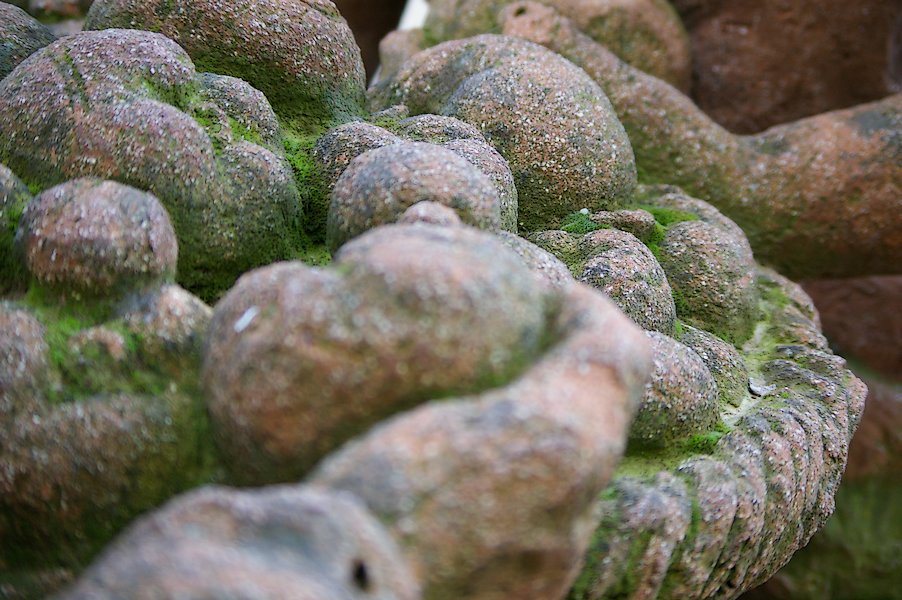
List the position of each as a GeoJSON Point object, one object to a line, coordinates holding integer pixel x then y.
{"type": "Point", "coordinates": [300, 53]}
{"type": "Point", "coordinates": [817, 197]}
{"type": "Point", "coordinates": [378, 192]}
{"type": "Point", "coordinates": [379, 185]}
{"type": "Point", "coordinates": [680, 399]}
{"type": "Point", "coordinates": [491, 496]}
{"type": "Point", "coordinates": [100, 410]}
{"type": "Point", "coordinates": [722, 514]}
{"type": "Point", "coordinates": [552, 124]}
{"type": "Point", "coordinates": [406, 313]}
{"type": "Point", "coordinates": [280, 543]}
{"type": "Point", "coordinates": [128, 105]}
{"type": "Point", "coordinates": [97, 237]}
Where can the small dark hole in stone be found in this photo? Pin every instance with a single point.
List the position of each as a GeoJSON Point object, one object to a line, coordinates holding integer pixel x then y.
{"type": "Point", "coordinates": [360, 576]}
{"type": "Point", "coordinates": [520, 11]}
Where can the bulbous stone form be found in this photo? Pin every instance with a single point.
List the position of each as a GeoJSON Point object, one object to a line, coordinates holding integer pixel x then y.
{"type": "Point", "coordinates": [723, 361]}
{"type": "Point", "coordinates": [546, 266]}
{"type": "Point", "coordinates": [275, 543]}
{"type": "Point", "coordinates": [129, 106]}
{"type": "Point", "coordinates": [408, 313]}
{"type": "Point", "coordinates": [834, 177]}
{"type": "Point", "coordinates": [713, 278]}
{"type": "Point", "coordinates": [300, 53]}
{"type": "Point", "coordinates": [490, 496]}
{"type": "Point", "coordinates": [679, 401]}
{"type": "Point", "coordinates": [21, 36]}
{"type": "Point", "coordinates": [546, 118]}
{"type": "Point", "coordinates": [14, 197]}
{"type": "Point", "coordinates": [100, 417]}
{"type": "Point", "coordinates": [379, 185]}
{"type": "Point", "coordinates": [619, 265]}
{"type": "Point", "coordinates": [647, 34]}
{"type": "Point", "coordinates": [335, 150]}
{"type": "Point", "coordinates": [97, 237]}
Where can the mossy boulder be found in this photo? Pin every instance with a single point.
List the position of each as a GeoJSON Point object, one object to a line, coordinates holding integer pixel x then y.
{"type": "Point", "coordinates": [300, 53]}
{"type": "Point", "coordinates": [129, 105]}
{"type": "Point", "coordinates": [100, 408]}
{"type": "Point", "coordinates": [554, 127]}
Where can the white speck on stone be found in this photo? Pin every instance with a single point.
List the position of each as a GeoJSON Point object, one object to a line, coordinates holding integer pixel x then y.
{"type": "Point", "coordinates": [584, 211]}
{"type": "Point", "coordinates": [246, 319]}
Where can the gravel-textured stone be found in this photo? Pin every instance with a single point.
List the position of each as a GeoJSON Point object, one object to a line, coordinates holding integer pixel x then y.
{"type": "Point", "coordinates": [550, 122]}
{"type": "Point", "coordinates": [300, 53]}
{"type": "Point", "coordinates": [379, 185]}
{"type": "Point", "coordinates": [97, 238]}
{"type": "Point", "coordinates": [276, 543]}
{"type": "Point", "coordinates": [491, 496]}
{"type": "Point", "coordinates": [545, 266]}
{"type": "Point", "coordinates": [619, 265]}
{"type": "Point", "coordinates": [816, 197]}
{"type": "Point", "coordinates": [408, 313]}
{"type": "Point", "coordinates": [128, 105]}
{"type": "Point", "coordinates": [713, 279]}
{"type": "Point", "coordinates": [723, 361]}
{"type": "Point", "coordinates": [679, 401]}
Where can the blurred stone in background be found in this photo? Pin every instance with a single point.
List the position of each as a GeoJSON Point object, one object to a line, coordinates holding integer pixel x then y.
{"type": "Point", "coordinates": [758, 63]}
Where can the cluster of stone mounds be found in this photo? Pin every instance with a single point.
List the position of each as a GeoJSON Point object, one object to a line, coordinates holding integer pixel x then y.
{"type": "Point", "coordinates": [455, 404]}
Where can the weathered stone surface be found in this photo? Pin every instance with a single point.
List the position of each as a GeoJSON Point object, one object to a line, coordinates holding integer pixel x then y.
{"type": "Point", "coordinates": [300, 53]}
{"type": "Point", "coordinates": [640, 223]}
{"type": "Point", "coordinates": [619, 265]}
{"type": "Point", "coordinates": [24, 361]}
{"type": "Point", "coordinates": [330, 352]}
{"type": "Point", "coordinates": [277, 543]}
{"type": "Point", "coordinates": [100, 411]}
{"type": "Point", "coordinates": [432, 213]}
{"type": "Point", "coordinates": [97, 238]}
{"type": "Point", "coordinates": [545, 266]}
{"type": "Point", "coordinates": [14, 197]}
{"type": "Point", "coordinates": [750, 72]}
{"type": "Point", "coordinates": [713, 279]}
{"type": "Point", "coordinates": [680, 400]}
{"type": "Point", "coordinates": [335, 150]}
{"type": "Point", "coordinates": [723, 361]}
{"type": "Point", "coordinates": [129, 106]}
{"type": "Point", "coordinates": [379, 185]}
{"type": "Point", "coordinates": [760, 487]}
{"type": "Point", "coordinates": [480, 508]}
{"type": "Point", "coordinates": [20, 37]}
{"type": "Point", "coordinates": [788, 187]}
{"type": "Point", "coordinates": [647, 34]}
{"type": "Point", "coordinates": [547, 119]}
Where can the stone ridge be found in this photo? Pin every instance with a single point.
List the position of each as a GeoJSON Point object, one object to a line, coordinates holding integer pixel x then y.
{"type": "Point", "coordinates": [724, 520]}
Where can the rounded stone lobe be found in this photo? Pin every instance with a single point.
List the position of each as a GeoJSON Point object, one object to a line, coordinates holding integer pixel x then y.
{"type": "Point", "coordinates": [97, 237]}
{"type": "Point", "coordinates": [680, 399]}
{"type": "Point", "coordinates": [379, 185]}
